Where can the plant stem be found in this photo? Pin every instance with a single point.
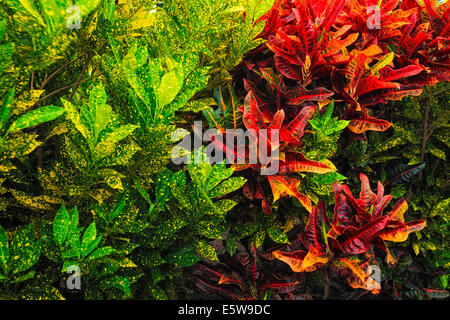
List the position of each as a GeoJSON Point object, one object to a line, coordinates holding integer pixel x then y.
{"type": "Point", "coordinates": [77, 84]}
{"type": "Point", "coordinates": [66, 87]}
{"type": "Point", "coordinates": [47, 79]}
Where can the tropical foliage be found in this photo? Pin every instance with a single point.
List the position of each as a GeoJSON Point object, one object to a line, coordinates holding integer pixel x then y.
{"type": "Point", "coordinates": [110, 190]}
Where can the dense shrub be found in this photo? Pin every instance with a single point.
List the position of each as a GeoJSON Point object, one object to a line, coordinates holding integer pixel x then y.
{"type": "Point", "coordinates": [100, 99]}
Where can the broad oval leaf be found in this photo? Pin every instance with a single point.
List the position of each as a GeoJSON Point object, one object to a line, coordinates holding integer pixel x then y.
{"type": "Point", "coordinates": [61, 225]}
{"type": "Point", "coordinates": [35, 117]}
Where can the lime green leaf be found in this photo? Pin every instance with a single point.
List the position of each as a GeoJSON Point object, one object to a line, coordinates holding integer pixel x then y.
{"type": "Point", "coordinates": [2, 28]}
{"type": "Point", "coordinates": [227, 186]}
{"type": "Point", "coordinates": [210, 229]}
{"type": "Point", "coordinates": [162, 189]}
{"type": "Point", "coordinates": [328, 178]}
{"type": "Point", "coordinates": [436, 152]}
{"type": "Point", "coordinates": [118, 208]}
{"type": "Point", "coordinates": [259, 238]}
{"type": "Point", "coordinates": [29, 6]}
{"type": "Point", "coordinates": [22, 278]}
{"type": "Point", "coordinates": [4, 250]}
{"type": "Point", "coordinates": [35, 117]}
{"type": "Point", "coordinates": [61, 225]}
{"type": "Point", "coordinates": [89, 235]}
{"type": "Point", "coordinates": [184, 257]}
{"type": "Point", "coordinates": [277, 234]}
{"type": "Point", "coordinates": [442, 209]}
{"type": "Point", "coordinates": [231, 243]}
{"type": "Point", "coordinates": [6, 107]}
{"type": "Point", "coordinates": [25, 251]}
{"type": "Point", "coordinates": [100, 252]}
{"type": "Point", "coordinates": [119, 282]}
{"type": "Point", "coordinates": [206, 250]}
{"type": "Point", "coordinates": [170, 86]}
{"type": "Point", "coordinates": [92, 246]}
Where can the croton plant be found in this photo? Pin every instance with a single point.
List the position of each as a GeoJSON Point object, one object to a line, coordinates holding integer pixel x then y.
{"type": "Point", "coordinates": [358, 226]}
{"type": "Point", "coordinates": [323, 48]}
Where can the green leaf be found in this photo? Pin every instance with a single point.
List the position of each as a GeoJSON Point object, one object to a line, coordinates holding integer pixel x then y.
{"type": "Point", "coordinates": [25, 251]}
{"type": "Point", "coordinates": [29, 6]}
{"type": "Point", "coordinates": [92, 246]}
{"type": "Point", "coordinates": [184, 257]}
{"type": "Point", "coordinates": [328, 178]}
{"type": "Point", "coordinates": [26, 276]}
{"type": "Point", "coordinates": [61, 225]}
{"type": "Point", "coordinates": [74, 220]}
{"type": "Point", "coordinates": [436, 151]}
{"type": "Point", "coordinates": [99, 114]}
{"type": "Point", "coordinates": [162, 188]}
{"type": "Point", "coordinates": [108, 143]}
{"type": "Point", "coordinates": [325, 120]}
{"type": "Point", "coordinates": [4, 249]}
{"type": "Point", "coordinates": [442, 209]}
{"type": "Point", "coordinates": [71, 253]}
{"type": "Point", "coordinates": [2, 28]}
{"type": "Point", "coordinates": [199, 170]}
{"type": "Point", "coordinates": [259, 238]}
{"type": "Point", "coordinates": [170, 86]}
{"type": "Point", "coordinates": [336, 126]}
{"type": "Point", "coordinates": [210, 229]}
{"type": "Point", "coordinates": [35, 117]}
{"type": "Point", "coordinates": [6, 107]}
{"type": "Point", "coordinates": [178, 188]}
{"type": "Point", "coordinates": [6, 52]}
{"type": "Point", "coordinates": [118, 208]}
{"type": "Point", "coordinates": [75, 118]}
{"type": "Point", "coordinates": [227, 186]}
{"type": "Point", "coordinates": [88, 237]}
{"type": "Point", "coordinates": [218, 173]}
{"type": "Point", "coordinates": [144, 194]}
{"type": "Point", "coordinates": [100, 252]}
{"type": "Point", "coordinates": [119, 282]}
{"type": "Point", "coordinates": [231, 243]}
{"type": "Point", "coordinates": [222, 208]}
{"type": "Point", "coordinates": [206, 250]}
{"type": "Point", "coordinates": [277, 235]}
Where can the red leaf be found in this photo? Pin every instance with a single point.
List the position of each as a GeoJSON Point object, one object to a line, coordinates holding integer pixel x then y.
{"type": "Point", "coordinates": [252, 117]}
{"type": "Point", "coordinates": [371, 83]}
{"type": "Point", "coordinates": [356, 241]}
{"type": "Point", "coordinates": [343, 212]}
{"type": "Point", "coordinates": [389, 74]}
{"type": "Point", "coordinates": [297, 126]}
{"type": "Point", "coordinates": [312, 235]}
{"type": "Point", "coordinates": [287, 69]}
{"type": "Point", "coordinates": [300, 95]}
{"type": "Point", "coordinates": [298, 163]}
{"type": "Point", "coordinates": [366, 196]}
{"type": "Point", "coordinates": [404, 90]}
{"type": "Point", "coordinates": [368, 124]}
{"type": "Point", "coordinates": [274, 80]}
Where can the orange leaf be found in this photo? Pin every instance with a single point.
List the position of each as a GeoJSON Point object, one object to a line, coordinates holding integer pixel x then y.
{"type": "Point", "coordinates": [336, 45]}
{"type": "Point", "coordinates": [298, 163]}
{"type": "Point", "coordinates": [294, 260]}
{"type": "Point", "coordinates": [399, 210]}
{"type": "Point", "coordinates": [369, 123]}
{"type": "Point", "coordinates": [313, 259]}
{"type": "Point", "coordinates": [400, 234]}
{"type": "Point", "coordinates": [360, 276]}
{"type": "Point", "coordinates": [283, 186]}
